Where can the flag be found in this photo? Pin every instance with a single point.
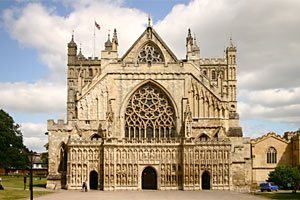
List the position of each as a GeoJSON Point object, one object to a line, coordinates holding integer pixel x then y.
{"type": "Point", "coordinates": [97, 25]}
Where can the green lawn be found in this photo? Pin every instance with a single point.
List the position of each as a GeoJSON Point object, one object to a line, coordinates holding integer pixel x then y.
{"type": "Point", "coordinates": [11, 194]}
{"type": "Point", "coordinates": [18, 181]}
{"type": "Point", "coordinates": [290, 196]}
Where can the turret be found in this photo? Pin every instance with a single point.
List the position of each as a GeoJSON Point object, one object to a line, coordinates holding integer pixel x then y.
{"type": "Point", "coordinates": [72, 58]}
{"type": "Point", "coordinates": [193, 51]}
{"type": "Point", "coordinates": [111, 49]}
{"type": "Point", "coordinates": [231, 53]}
{"type": "Point", "coordinates": [72, 51]}
{"type": "Point", "coordinates": [115, 41]}
{"type": "Point", "coordinates": [189, 42]}
{"type": "Point", "coordinates": [108, 44]}
{"type": "Point", "coordinates": [232, 83]}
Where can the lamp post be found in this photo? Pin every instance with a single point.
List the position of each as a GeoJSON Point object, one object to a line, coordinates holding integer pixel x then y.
{"type": "Point", "coordinates": [31, 186]}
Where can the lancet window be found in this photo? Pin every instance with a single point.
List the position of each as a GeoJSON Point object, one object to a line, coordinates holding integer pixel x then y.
{"type": "Point", "coordinates": [149, 54]}
{"type": "Point", "coordinates": [271, 155]}
{"type": "Point", "coordinates": [149, 114]}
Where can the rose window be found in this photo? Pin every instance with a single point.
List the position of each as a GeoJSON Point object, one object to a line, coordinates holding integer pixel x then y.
{"type": "Point", "coordinates": [149, 114]}
{"type": "Point", "coordinates": [149, 54]}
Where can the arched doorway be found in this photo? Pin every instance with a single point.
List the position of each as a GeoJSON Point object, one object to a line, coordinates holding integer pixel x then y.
{"type": "Point", "coordinates": [149, 179]}
{"type": "Point", "coordinates": [205, 181]}
{"type": "Point", "coordinates": [93, 180]}
{"type": "Point", "coordinates": [62, 167]}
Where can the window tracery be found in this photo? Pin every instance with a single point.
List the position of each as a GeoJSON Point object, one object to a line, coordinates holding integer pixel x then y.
{"type": "Point", "coordinates": [271, 155]}
{"type": "Point", "coordinates": [149, 114]}
{"type": "Point", "coordinates": [149, 54]}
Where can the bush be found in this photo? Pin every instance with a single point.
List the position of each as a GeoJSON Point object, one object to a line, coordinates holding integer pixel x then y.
{"type": "Point", "coordinates": [284, 175]}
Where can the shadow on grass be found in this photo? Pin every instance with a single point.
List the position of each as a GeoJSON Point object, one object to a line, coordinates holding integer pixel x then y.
{"type": "Point", "coordinates": [290, 196]}
{"type": "Point", "coordinates": [42, 185]}
{"type": "Point", "coordinates": [12, 194]}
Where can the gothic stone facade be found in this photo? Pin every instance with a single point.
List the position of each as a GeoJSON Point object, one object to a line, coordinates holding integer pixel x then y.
{"type": "Point", "coordinates": [148, 120]}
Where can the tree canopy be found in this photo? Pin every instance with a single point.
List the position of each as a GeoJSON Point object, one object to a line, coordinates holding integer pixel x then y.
{"type": "Point", "coordinates": [13, 154]}
{"type": "Point", "coordinates": [284, 175]}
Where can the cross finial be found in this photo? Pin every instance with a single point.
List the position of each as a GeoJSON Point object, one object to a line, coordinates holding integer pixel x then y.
{"type": "Point", "coordinates": [72, 34]}
{"type": "Point", "coordinates": [149, 19]}
{"type": "Point", "coordinates": [231, 44]}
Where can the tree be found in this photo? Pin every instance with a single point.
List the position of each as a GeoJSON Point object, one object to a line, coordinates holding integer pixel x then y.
{"type": "Point", "coordinates": [45, 156]}
{"type": "Point", "coordinates": [284, 175]}
{"type": "Point", "coordinates": [13, 154]}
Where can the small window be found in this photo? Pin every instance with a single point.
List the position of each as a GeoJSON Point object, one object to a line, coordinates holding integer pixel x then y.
{"type": "Point", "coordinates": [205, 73]}
{"type": "Point", "coordinates": [271, 155]}
{"type": "Point", "coordinates": [213, 75]}
{"type": "Point", "coordinates": [174, 167]}
{"type": "Point", "coordinates": [90, 72]}
{"type": "Point", "coordinates": [87, 122]}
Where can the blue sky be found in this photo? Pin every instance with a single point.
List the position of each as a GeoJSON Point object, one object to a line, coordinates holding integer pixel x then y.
{"type": "Point", "coordinates": [34, 35]}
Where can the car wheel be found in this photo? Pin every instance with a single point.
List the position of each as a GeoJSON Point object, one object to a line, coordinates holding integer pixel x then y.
{"type": "Point", "coordinates": [269, 190]}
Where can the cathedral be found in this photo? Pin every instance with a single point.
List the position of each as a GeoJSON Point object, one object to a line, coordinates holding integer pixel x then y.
{"type": "Point", "coordinates": [148, 120]}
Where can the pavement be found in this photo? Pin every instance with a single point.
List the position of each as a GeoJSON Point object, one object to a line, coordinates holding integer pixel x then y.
{"type": "Point", "coordinates": [148, 194]}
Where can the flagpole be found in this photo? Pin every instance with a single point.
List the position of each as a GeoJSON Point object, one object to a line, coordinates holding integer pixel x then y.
{"type": "Point", "coordinates": [94, 36]}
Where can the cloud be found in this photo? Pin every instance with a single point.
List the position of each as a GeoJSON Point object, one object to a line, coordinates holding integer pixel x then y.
{"type": "Point", "coordinates": [39, 27]}
{"type": "Point", "coordinates": [266, 34]}
{"type": "Point", "coordinates": [33, 98]}
{"type": "Point", "coordinates": [34, 136]}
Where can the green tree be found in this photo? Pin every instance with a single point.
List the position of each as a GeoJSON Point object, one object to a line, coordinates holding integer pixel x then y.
{"type": "Point", "coordinates": [13, 154]}
{"type": "Point", "coordinates": [284, 175]}
{"type": "Point", "coordinates": [45, 156]}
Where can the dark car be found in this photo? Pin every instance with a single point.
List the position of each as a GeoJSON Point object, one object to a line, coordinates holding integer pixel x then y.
{"type": "Point", "coordinates": [268, 187]}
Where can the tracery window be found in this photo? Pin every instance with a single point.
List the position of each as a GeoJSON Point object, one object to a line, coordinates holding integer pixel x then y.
{"type": "Point", "coordinates": [149, 54]}
{"type": "Point", "coordinates": [271, 155]}
{"type": "Point", "coordinates": [149, 114]}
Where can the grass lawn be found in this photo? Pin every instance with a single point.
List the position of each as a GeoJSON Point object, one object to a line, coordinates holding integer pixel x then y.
{"type": "Point", "coordinates": [289, 196]}
{"type": "Point", "coordinates": [18, 181]}
{"type": "Point", "coordinates": [11, 194]}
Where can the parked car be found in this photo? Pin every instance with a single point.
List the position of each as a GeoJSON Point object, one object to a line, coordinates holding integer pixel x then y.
{"type": "Point", "coordinates": [268, 187]}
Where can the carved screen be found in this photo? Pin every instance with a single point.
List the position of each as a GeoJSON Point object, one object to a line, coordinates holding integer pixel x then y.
{"type": "Point", "coordinates": [149, 114]}
{"type": "Point", "coordinates": [149, 54]}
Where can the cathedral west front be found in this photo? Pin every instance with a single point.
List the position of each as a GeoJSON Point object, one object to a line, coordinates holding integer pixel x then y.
{"type": "Point", "coordinates": [148, 120]}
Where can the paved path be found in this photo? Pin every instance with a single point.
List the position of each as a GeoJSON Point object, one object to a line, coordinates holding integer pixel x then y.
{"type": "Point", "coordinates": [148, 195]}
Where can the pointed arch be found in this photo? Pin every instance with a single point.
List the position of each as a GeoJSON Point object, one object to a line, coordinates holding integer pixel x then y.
{"type": "Point", "coordinates": [158, 105]}
{"type": "Point", "coordinates": [95, 136]}
{"type": "Point", "coordinates": [203, 137]}
{"type": "Point", "coordinates": [271, 155]}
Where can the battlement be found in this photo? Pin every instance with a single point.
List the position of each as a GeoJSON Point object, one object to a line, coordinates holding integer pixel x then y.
{"type": "Point", "coordinates": [60, 125]}
{"type": "Point", "coordinates": [274, 135]}
{"type": "Point", "coordinates": [213, 61]}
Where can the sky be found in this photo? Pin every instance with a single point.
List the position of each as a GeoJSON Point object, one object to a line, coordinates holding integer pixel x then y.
{"type": "Point", "coordinates": [34, 36]}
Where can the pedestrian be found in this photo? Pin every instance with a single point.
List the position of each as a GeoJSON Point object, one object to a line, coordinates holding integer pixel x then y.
{"type": "Point", "coordinates": [83, 186]}
{"type": "Point", "coordinates": [1, 187]}
{"type": "Point", "coordinates": [25, 180]}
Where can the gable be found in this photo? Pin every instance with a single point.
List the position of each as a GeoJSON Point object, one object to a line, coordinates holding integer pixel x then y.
{"type": "Point", "coordinates": [149, 37]}
{"type": "Point", "coordinates": [269, 138]}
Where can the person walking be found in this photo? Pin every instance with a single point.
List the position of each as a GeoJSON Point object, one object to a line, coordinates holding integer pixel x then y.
{"type": "Point", "coordinates": [85, 183]}
{"type": "Point", "coordinates": [1, 187]}
{"type": "Point", "coordinates": [83, 186]}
